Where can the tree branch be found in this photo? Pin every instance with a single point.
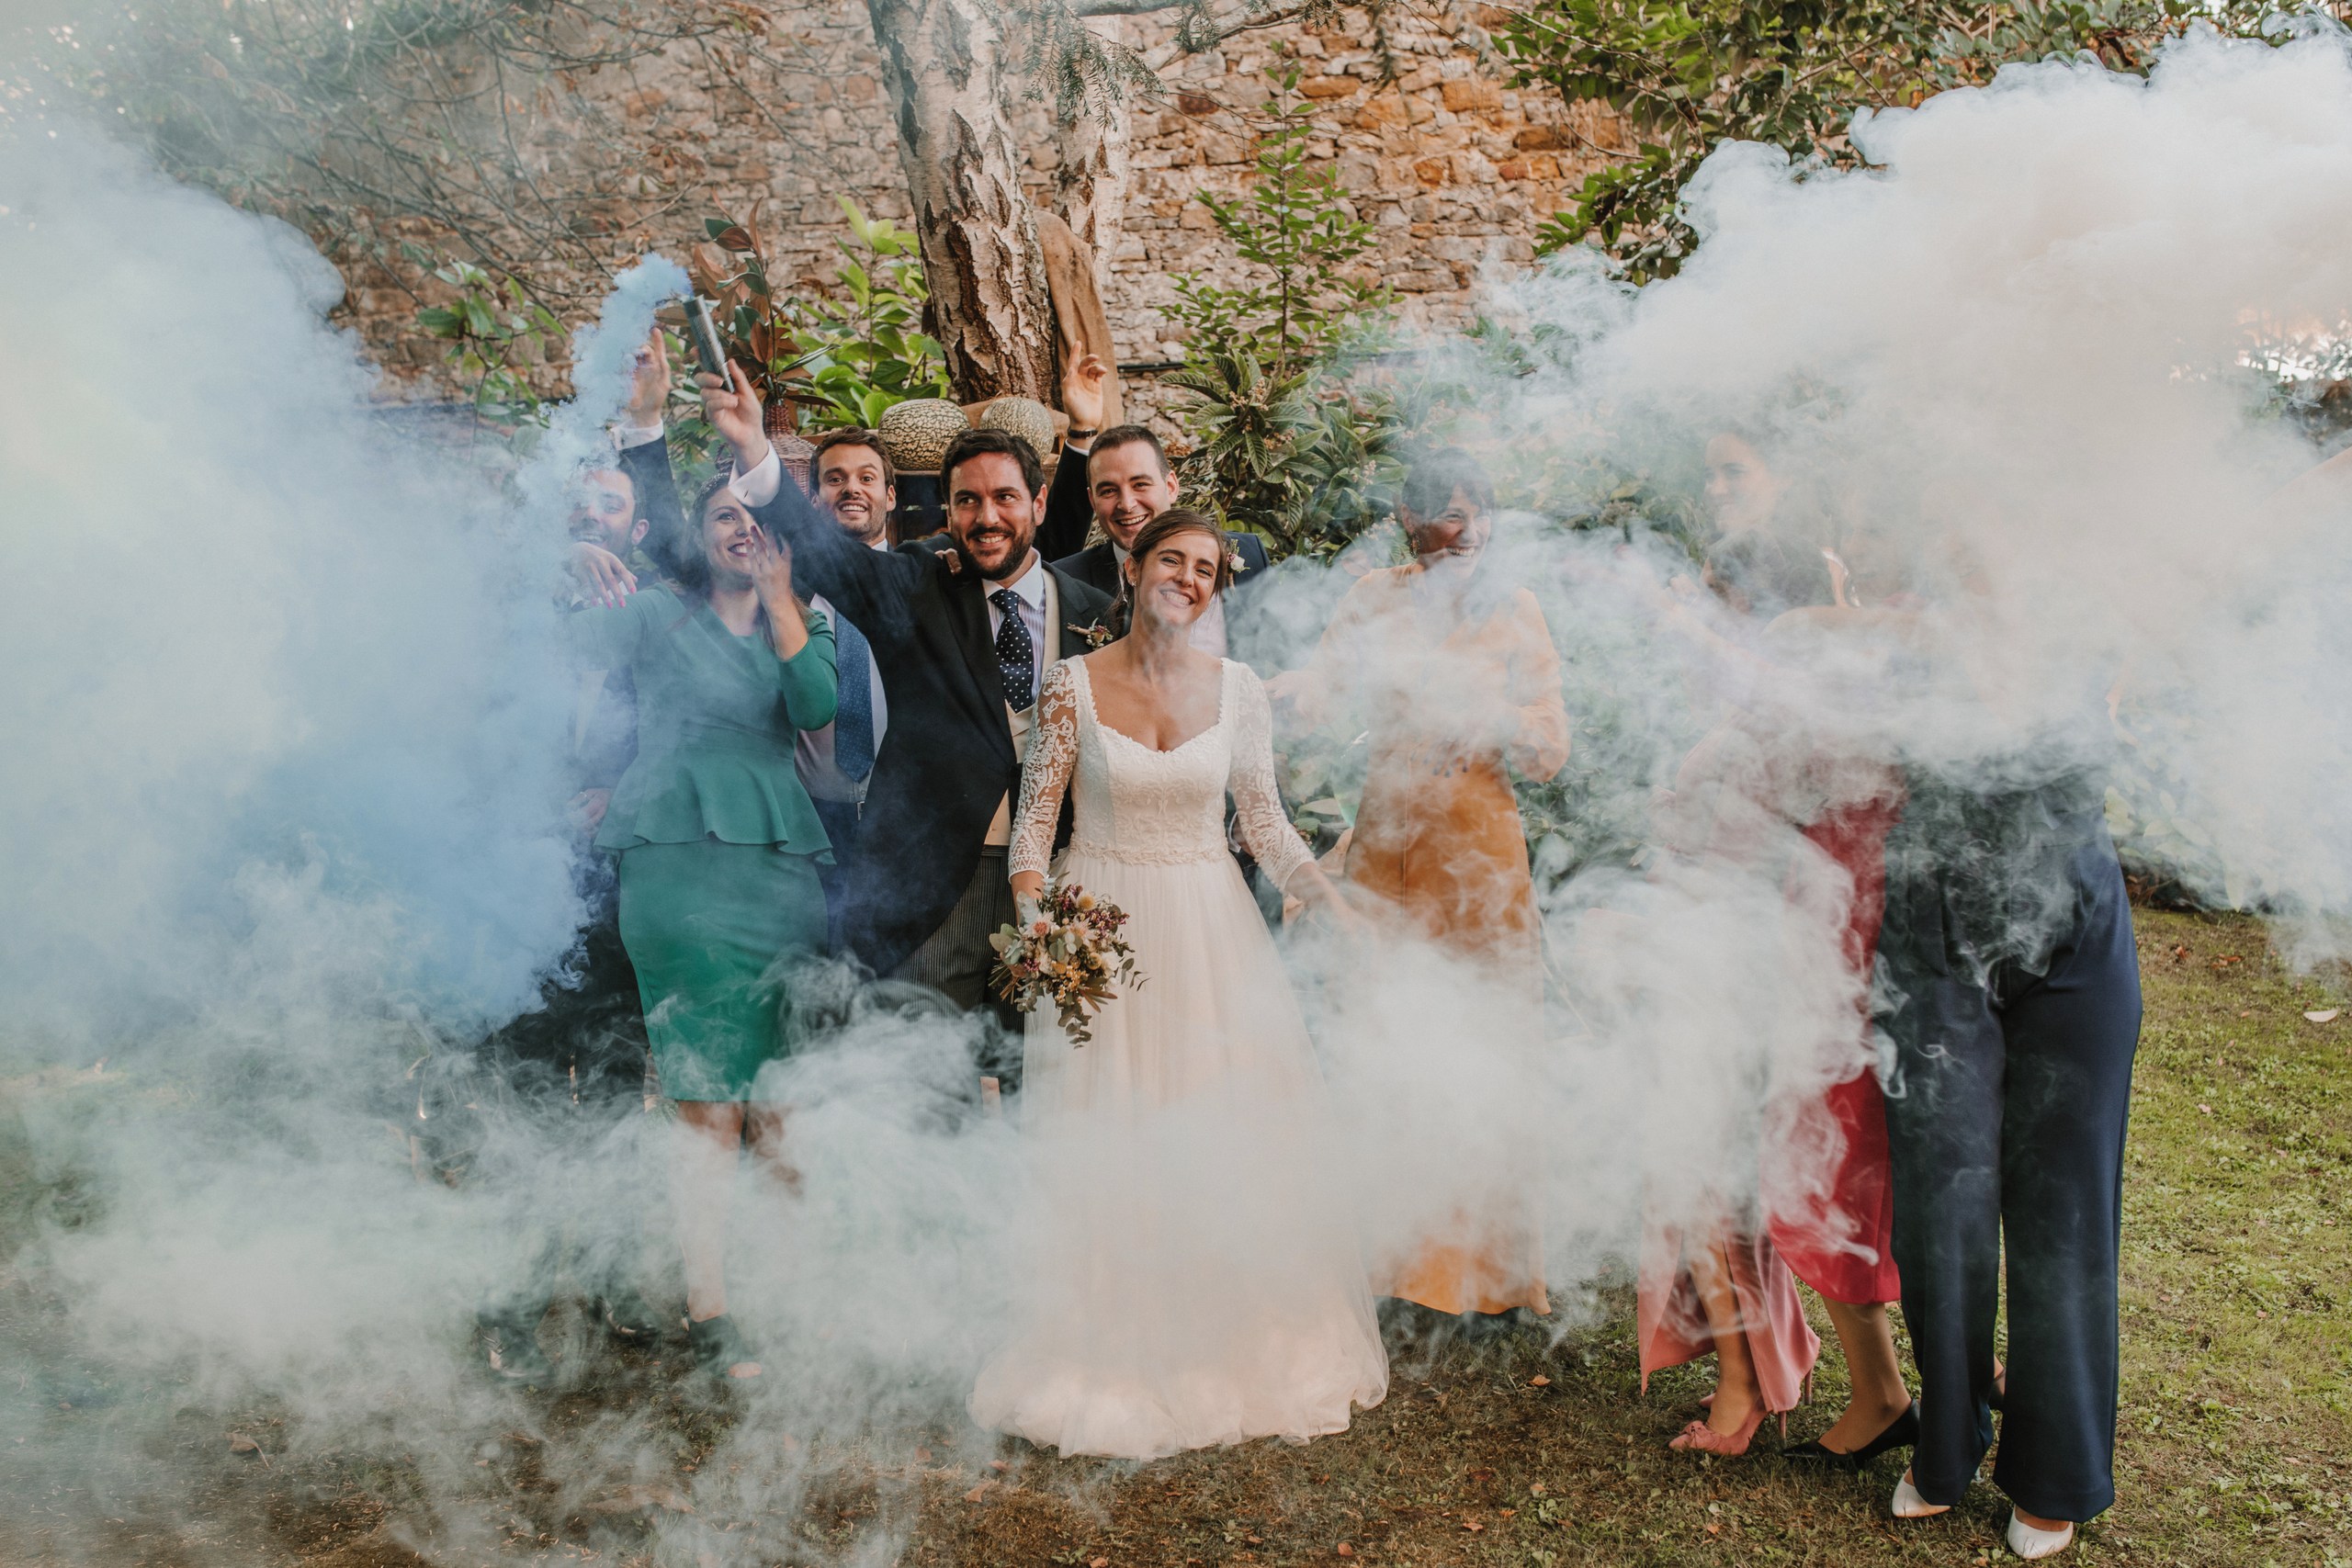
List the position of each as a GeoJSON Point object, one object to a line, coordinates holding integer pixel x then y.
{"type": "Point", "coordinates": [1125, 8]}
{"type": "Point", "coordinates": [1210, 25]}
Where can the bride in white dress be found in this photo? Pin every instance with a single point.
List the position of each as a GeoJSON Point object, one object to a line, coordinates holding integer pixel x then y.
{"type": "Point", "coordinates": [1197, 1280]}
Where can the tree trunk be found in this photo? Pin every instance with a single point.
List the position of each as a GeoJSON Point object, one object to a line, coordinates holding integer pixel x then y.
{"type": "Point", "coordinates": [945, 62]}
{"type": "Point", "coordinates": [1091, 180]}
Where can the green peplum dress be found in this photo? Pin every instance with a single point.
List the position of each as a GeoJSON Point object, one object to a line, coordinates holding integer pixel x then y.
{"type": "Point", "coordinates": [718, 844]}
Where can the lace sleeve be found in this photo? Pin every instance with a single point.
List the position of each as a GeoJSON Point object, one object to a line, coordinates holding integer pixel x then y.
{"type": "Point", "coordinates": [1258, 804]}
{"type": "Point", "coordinates": [1045, 776]}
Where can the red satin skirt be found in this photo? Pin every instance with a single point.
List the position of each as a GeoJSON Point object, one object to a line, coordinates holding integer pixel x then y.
{"type": "Point", "coordinates": [1839, 1236]}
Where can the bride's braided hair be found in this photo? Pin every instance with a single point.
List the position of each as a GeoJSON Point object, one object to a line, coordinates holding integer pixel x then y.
{"type": "Point", "coordinates": [1175, 520]}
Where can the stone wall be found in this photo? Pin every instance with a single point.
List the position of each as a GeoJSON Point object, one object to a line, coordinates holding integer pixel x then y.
{"type": "Point", "coordinates": [1454, 169]}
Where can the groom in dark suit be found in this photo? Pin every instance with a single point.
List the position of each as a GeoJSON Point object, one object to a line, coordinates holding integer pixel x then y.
{"type": "Point", "coordinates": [962, 636]}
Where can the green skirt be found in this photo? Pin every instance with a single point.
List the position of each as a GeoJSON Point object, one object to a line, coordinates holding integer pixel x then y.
{"type": "Point", "coordinates": [713, 930]}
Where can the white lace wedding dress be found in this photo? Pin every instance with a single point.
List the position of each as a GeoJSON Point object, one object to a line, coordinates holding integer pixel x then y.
{"type": "Point", "coordinates": [1196, 1279]}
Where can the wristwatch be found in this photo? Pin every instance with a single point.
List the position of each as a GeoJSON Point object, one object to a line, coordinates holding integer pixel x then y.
{"type": "Point", "coordinates": [1075, 433]}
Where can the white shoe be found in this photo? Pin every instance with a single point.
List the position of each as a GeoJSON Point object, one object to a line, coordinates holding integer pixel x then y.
{"type": "Point", "coordinates": [1909, 1504]}
{"type": "Point", "coordinates": [2029, 1543]}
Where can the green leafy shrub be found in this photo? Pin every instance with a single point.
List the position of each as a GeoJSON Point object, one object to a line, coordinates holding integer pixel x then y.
{"type": "Point", "coordinates": [495, 333]}
{"type": "Point", "coordinates": [1690, 75]}
{"type": "Point", "coordinates": [837, 359]}
{"type": "Point", "coordinates": [1294, 435]}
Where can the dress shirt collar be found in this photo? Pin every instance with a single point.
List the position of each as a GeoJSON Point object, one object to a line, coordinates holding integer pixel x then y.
{"type": "Point", "coordinates": [1029, 587]}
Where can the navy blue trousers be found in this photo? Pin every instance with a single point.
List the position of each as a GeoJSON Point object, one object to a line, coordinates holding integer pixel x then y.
{"type": "Point", "coordinates": [2007, 1122]}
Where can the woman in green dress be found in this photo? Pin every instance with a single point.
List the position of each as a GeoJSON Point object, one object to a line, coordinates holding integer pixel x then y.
{"type": "Point", "coordinates": [718, 848]}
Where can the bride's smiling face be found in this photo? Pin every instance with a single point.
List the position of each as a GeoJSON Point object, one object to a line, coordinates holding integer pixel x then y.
{"type": "Point", "coordinates": [1174, 581]}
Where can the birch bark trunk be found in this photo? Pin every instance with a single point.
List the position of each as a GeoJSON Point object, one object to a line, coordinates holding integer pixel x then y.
{"type": "Point", "coordinates": [1091, 181]}
{"type": "Point", "coordinates": [950, 80]}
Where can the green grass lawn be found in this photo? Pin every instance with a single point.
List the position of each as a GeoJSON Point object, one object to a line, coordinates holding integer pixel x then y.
{"type": "Point", "coordinates": [2236, 1443]}
{"type": "Point", "coordinates": [2236, 1432]}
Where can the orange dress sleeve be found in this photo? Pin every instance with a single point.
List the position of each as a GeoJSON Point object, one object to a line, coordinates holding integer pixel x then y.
{"type": "Point", "coordinates": [1533, 683]}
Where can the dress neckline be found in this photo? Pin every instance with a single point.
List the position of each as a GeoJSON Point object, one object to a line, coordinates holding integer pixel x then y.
{"type": "Point", "coordinates": [1086, 679]}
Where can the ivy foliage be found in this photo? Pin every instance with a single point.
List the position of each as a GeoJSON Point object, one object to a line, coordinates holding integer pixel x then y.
{"type": "Point", "coordinates": [1687, 75]}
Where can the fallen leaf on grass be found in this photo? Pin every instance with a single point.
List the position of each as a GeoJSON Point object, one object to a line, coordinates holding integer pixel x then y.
{"type": "Point", "coordinates": [1098, 1563]}
{"type": "Point", "coordinates": [1714, 1529]}
{"type": "Point", "coordinates": [1000, 1466]}
{"type": "Point", "coordinates": [1540, 1381]}
{"type": "Point", "coordinates": [636, 1499]}
{"type": "Point", "coordinates": [2325, 1015]}
{"type": "Point", "coordinates": [978, 1493]}
{"type": "Point", "coordinates": [1344, 1550]}
{"type": "Point", "coordinates": [2205, 1110]}
{"type": "Point", "coordinates": [923, 1456]}
{"type": "Point", "coordinates": [241, 1444]}
{"type": "Point", "coordinates": [1536, 1487]}
{"type": "Point", "coordinates": [1474, 1527]}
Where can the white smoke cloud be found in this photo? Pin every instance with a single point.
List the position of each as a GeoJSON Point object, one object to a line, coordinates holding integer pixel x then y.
{"type": "Point", "coordinates": [281, 800]}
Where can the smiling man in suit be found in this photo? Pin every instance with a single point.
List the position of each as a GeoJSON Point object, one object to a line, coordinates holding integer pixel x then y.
{"type": "Point", "coordinates": [1119, 478]}
{"type": "Point", "coordinates": [962, 636]}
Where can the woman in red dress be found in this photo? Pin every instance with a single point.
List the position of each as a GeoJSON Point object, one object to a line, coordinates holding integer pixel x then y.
{"type": "Point", "coordinates": [1825, 1213]}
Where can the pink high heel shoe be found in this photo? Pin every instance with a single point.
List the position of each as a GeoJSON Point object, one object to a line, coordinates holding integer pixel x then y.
{"type": "Point", "coordinates": [1705, 1439]}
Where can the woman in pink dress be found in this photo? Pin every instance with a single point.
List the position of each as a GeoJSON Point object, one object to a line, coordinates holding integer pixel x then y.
{"type": "Point", "coordinates": [1826, 1213]}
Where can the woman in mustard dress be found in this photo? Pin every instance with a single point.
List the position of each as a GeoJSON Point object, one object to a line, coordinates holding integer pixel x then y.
{"type": "Point", "coordinates": [718, 846]}
{"type": "Point", "coordinates": [1454, 675]}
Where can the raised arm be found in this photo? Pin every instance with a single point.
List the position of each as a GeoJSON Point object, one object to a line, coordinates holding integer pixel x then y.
{"type": "Point", "coordinates": [642, 434]}
{"type": "Point", "coordinates": [1045, 779]}
{"type": "Point", "coordinates": [647, 464]}
{"type": "Point", "coordinates": [871, 586]}
{"type": "Point", "coordinates": [1069, 515]}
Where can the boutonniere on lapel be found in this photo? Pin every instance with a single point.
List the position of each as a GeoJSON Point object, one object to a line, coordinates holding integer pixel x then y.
{"type": "Point", "coordinates": [1097, 634]}
{"type": "Point", "coordinates": [955, 559]}
{"type": "Point", "coordinates": [1233, 563]}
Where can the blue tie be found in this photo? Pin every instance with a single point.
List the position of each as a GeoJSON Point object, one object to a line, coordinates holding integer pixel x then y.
{"type": "Point", "coordinates": [853, 711]}
{"type": "Point", "coordinates": [1014, 655]}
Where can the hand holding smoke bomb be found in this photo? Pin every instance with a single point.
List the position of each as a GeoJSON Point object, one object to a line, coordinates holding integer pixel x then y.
{"type": "Point", "coordinates": [704, 332]}
{"type": "Point", "coordinates": [732, 407]}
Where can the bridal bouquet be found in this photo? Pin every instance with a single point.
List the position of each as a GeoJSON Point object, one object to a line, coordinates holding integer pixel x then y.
{"type": "Point", "coordinates": [1072, 952]}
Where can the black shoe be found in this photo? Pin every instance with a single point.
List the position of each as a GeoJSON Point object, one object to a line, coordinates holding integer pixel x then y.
{"type": "Point", "coordinates": [509, 1342]}
{"type": "Point", "coordinates": [1903, 1432]}
{"type": "Point", "coordinates": [716, 1346]}
{"type": "Point", "coordinates": [628, 1318]}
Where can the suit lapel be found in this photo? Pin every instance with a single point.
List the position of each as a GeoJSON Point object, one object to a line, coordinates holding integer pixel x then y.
{"type": "Point", "coordinates": [1102, 568]}
{"type": "Point", "coordinates": [968, 592]}
{"type": "Point", "coordinates": [1069, 634]}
